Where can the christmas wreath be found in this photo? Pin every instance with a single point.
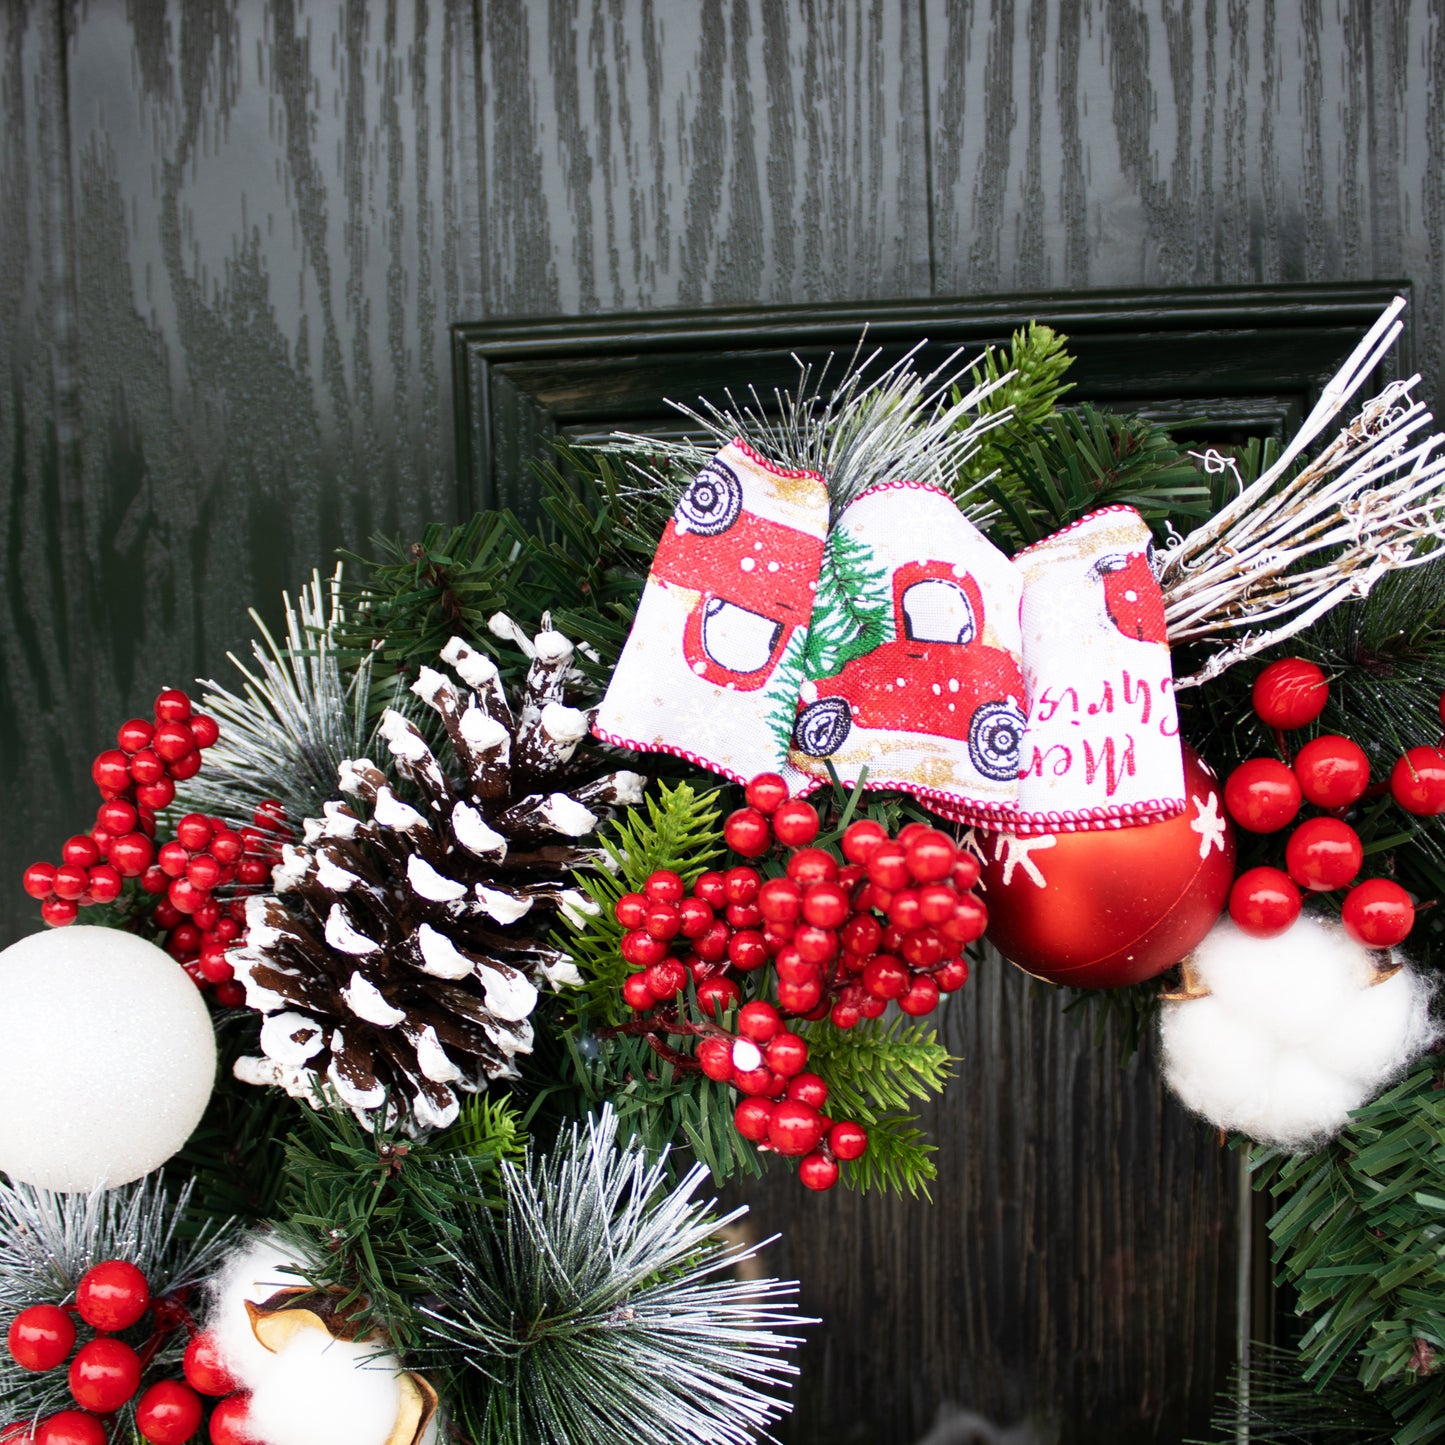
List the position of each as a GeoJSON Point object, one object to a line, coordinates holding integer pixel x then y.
{"type": "Point", "coordinates": [537, 876]}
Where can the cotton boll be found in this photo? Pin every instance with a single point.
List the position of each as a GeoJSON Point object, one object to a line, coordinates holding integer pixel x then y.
{"type": "Point", "coordinates": [320, 1391]}
{"type": "Point", "coordinates": [1293, 1034]}
{"type": "Point", "coordinates": [254, 1273]}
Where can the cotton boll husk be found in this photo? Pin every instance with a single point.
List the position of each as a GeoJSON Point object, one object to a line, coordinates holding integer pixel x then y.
{"type": "Point", "coordinates": [253, 1273]}
{"type": "Point", "coordinates": [1293, 1034]}
{"type": "Point", "coordinates": [321, 1391]}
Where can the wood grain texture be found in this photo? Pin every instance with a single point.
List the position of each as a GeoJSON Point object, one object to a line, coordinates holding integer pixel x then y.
{"type": "Point", "coordinates": [234, 240]}
{"type": "Point", "coordinates": [1136, 142]}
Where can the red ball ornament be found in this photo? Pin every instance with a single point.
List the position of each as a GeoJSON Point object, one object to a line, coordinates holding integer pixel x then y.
{"type": "Point", "coordinates": [1262, 795]}
{"type": "Point", "coordinates": [71, 1427]}
{"type": "Point", "coordinates": [1264, 902]}
{"type": "Point", "coordinates": [169, 1413]}
{"type": "Point", "coordinates": [1323, 854]}
{"type": "Point", "coordinates": [1103, 909]}
{"type": "Point", "coordinates": [1378, 913]}
{"type": "Point", "coordinates": [104, 1374]}
{"type": "Point", "coordinates": [41, 1337]}
{"type": "Point", "coordinates": [1290, 693]}
{"type": "Point", "coordinates": [1418, 782]}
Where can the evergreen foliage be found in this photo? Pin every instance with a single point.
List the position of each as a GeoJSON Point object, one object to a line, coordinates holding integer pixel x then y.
{"type": "Point", "coordinates": [596, 1306]}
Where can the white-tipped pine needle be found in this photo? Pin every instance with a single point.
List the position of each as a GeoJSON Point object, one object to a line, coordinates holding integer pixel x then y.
{"type": "Point", "coordinates": [598, 1307]}
{"type": "Point", "coordinates": [899, 426]}
{"type": "Point", "coordinates": [1281, 555]}
{"type": "Point", "coordinates": [298, 716]}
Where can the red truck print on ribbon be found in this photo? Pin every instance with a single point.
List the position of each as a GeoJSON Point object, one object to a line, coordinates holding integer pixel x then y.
{"type": "Point", "coordinates": [936, 677]}
{"type": "Point", "coordinates": [1131, 596]}
{"type": "Point", "coordinates": [752, 577]}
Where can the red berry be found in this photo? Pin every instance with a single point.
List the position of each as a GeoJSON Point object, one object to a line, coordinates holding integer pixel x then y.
{"type": "Point", "coordinates": [172, 741]}
{"type": "Point", "coordinates": [169, 1413]}
{"type": "Point", "coordinates": [766, 792]}
{"type": "Point", "coordinates": [717, 995]}
{"type": "Point", "coordinates": [637, 993]}
{"type": "Point", "coordinates": [184, 767]}
{"type": "Point", "coordinates": [861, 838]}
{"type": "Point", "coordinates": [1264, 902]}
{"type": "Point", "coordinates": [929, 856]}
{"type": "Point", "coordinates": [156, 795]}
{"type": "Point", "coordinates": [742, 885]}
{"type": "Point", "coordinates": [812, 865]}
{"type": "Point", "coordinates": [696, 916]}
{"type": "Point", "coordinates": [808, 1089]}
{"type": "Point", "coordinates": [71, 880]}
{"type": "Point", "coordinates": [748, 950]}
{"type": "Point", "coordinates": [888, 867]}
{"type": "Point", "coordinates": [135, 734]}
{"type": "Point", "coordinates": [1378, 913]}
{"type": "Point", "coordinates": [848, 1140]}
{"type": "Point", "coordinates": [227, 847]}
{"type": "Point", "coordinates": [81, 851]}
{"type": "Point", "coordinates": [825, 905]}
{"type": "Point", "coordinates": [172, 706]}
{"type": "Point", "coordinates": [57, 912]}
{"type": "Point", "coordinates": [173, 859]}
{"type": "Point", "coordinates": [184, 894]}
{"type": "Point", "coordinates": [1418, 782]}
{"type": "Point", "coordinates": [664, 886]}
{"type": "Point", "coordinates": [203, 872]}
{"type": "Point", "coordinates": [104, 1374]}
{"type": "Point", "coordinates": [39, 880]}
{"type": "Point", "coordinates": [952, 975]}
{"type": "Point", "coordinates": [1290, 693]}
{"type": "Point", "coordinates": [111, 771]}
{"type": "Point", "coordinates": [935, 902]}
{"type": "Point", "coordinates": [819, 1172]}
{"type": "Point", "coordinates": [1262, 795]}
{"type": "Point", "coordinates": [751, 1118]}
{"type": "Point", "coordinates": [116, 816]}
{"type": "Point", "coordinates": [204, 730]}
{"type": "Point", "coordinates": [711, 889]}
{"type": "Point", "coordinates": [665, 980]}
{"type": "Point", "coordinates": [715, 1058]}
{"type": "Point", "coordinates": [780, 900]}
{"type": "Point", "coordinates": [816, 945]}
{"type": "Point", "coordinates": [231, 994]}
{"type": "Point", "coordinates": [905, 911]}
{"type": "Point", "coordinates": [146, 766]}
{"type": "Point", "coordinates": [844, 1015]}
{"type": "Point", "coordinates": [712, 944]}
{"type": "Point", "coordinates": [786, 1054]}
{"type": "Point", "coordinates": [207, 915]}
{"type": "Point", "coordinates": [795, 823]}
{"type": "Point", "coordinates": [885, 977]}
{"type": "Point", "coordinates": [253, 872]}
{"type": "Point", "coordinates": [204, 1367]}
{"type": "Point", "coordinates": [800, 997]}
{"type": "Point", "coordinates": [154, 880]}
{"type": "Point", "coordinates": [759, 1021]}
{"type": "Point", "coordinates": [112, 1295]}
{"type": "Point", "coordinates": [743, 915]}
{"type": "Point", "coordinates": [271, 816]}
{"type": "Point", "coordinates": [185, 938]}
{"type": "Point", "coordinates": [862, 934]}
{"type": "Point", "coordinates": [923, 948]}
{"type": "Point", "coordinates": [231, 1423]}
{"type": "Point", "coordinates": [966, 869]}
{"type": "Point", "coordinates": [105, 883]}
{"type": "Point", "coordinates": [641, 948]}
{"type": "Point", "coordinates": [1323, 853]}
{"type": "Point", "coordinates": [662, 920]}
{"type": "Point", "coordinates": [214, 966]}
{"type": "Point", "coordinates": [71, 1427]}
{"type": "Point", "coordinates": [1333, 771]}
{"type": "Point", "coordinates": [921, 996]}
{"type": "Point", "coordinates": [747, 832]}
{"type": "Point", "coordinates": [872, 1008]}
{"type": "Point", "coordinates": [795, 1127]}
{"type": "Point", "coordinates": [194, 831]}
{"type": "Point", "coordinates": [757, 1082]}
{"type": "Point", "coordinates": [41, 1337]}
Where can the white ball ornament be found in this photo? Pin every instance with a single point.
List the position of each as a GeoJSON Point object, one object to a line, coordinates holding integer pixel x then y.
{"type": "Point", "coordinates": [108, 1058]}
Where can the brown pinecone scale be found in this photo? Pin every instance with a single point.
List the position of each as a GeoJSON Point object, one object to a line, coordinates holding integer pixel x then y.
{"type": "Point", "coordinates": [398, 958]}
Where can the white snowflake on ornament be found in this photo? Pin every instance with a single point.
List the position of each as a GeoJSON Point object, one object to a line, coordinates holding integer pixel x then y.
{"type": "Point", "coordinates": [1209, 823]}
{"type": "Point", "coordinates": [1281, 1038]}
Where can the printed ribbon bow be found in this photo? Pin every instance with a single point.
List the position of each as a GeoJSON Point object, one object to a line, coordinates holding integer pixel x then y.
{"type": "Point", "coordinates": [1032, 695]}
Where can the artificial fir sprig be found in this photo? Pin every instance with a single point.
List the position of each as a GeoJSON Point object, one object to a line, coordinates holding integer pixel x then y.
{"type": "Point", "coordinates": [597, 1306]}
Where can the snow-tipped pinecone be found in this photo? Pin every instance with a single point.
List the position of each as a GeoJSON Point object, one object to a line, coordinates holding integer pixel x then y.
{"type": "Point", "coordinates": [397, 959]}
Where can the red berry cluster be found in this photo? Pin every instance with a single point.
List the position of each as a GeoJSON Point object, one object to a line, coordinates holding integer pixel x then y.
{"type": "Point", "coordinates": [136, 780]}
{"type": "Point", "coordinates": [887, 924]}
{"type": "Point", "coordinates": [783, 1105]}
{"type": "Point", "coordinates": [1322, 853]}
{"type": "Point", "coordinates": [105, 1373]}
